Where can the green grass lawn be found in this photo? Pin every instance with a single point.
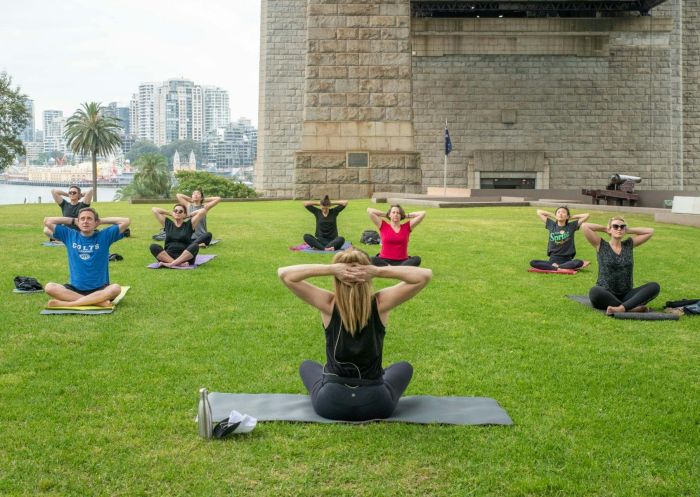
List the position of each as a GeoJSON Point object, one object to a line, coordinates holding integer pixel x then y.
{"type": "Point", "coordinates": [104, 405]}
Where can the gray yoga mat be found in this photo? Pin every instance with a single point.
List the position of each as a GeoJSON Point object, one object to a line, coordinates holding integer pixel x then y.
{"type": "Point", "coordinates": [422, 409]}
{"type": "Point", "coordinates": [644, 316]}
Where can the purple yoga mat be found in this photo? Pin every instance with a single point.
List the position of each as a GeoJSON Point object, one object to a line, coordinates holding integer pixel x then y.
{"type": "Point", "coordinates": [199, 260]}
{"type": "Point", "coordinates": [305, 248]}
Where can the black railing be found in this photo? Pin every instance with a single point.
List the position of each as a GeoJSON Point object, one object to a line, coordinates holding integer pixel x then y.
{"type": "Point", "coordinates": [534, 8]}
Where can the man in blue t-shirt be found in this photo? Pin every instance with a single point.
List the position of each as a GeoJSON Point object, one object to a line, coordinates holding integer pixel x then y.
{"type": "Point", "coordinates": [88, 258]}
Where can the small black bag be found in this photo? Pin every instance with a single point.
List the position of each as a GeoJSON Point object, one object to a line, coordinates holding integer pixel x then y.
{"type": "Point", "coordinates": [27, 284]}
{"type": "Point", "coordinates": [370, 237]}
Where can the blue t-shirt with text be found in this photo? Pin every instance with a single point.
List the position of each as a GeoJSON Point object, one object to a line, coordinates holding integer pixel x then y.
{"type": "Point", "coordinates": [88, 256]}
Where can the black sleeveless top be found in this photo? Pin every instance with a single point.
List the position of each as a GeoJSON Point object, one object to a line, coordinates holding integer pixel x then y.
{"type": "Point", "coordinates": [615, 272]}
{"type": "Point", "coordinates": [177, 238]}
{"type": "Point", "coordinates": [359, 356]}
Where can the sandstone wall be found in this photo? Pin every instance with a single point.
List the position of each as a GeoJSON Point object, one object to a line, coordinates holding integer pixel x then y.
{"type": "Point", "coordinates": [594, 96]}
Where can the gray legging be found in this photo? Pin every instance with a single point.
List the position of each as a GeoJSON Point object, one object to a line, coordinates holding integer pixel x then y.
{"type": "Point", "coordinates": [332, 398]}
{"type": "Point", "coordinates": [601, 298]}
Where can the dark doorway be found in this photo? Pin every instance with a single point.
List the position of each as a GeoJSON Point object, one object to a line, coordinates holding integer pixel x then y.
{"type": "Point", "coordinates": [509, 183]}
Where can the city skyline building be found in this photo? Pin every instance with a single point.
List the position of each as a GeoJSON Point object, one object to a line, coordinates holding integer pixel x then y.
{"type": "Point", "coordinates": [232, 146]}
{"type": "Point", "coordinates": [217, 112]}
{"type": "Point", "coordinates": [54, 125]}
{"type": "Point", "coordinates": [27, 134]}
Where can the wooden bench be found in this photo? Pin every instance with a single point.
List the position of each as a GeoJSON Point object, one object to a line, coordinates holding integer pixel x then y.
{"type": "Point", "coordinates": [611, 197]}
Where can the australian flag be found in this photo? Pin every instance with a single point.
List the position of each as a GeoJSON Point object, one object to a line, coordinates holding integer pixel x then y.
{"type": "Point", "coordinates": [448, 142]}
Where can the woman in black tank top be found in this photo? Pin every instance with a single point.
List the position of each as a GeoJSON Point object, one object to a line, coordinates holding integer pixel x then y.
{"type": "Point", "coordinates": [614, 291]}
{"type": "Point", "coordinates": [353, 386]}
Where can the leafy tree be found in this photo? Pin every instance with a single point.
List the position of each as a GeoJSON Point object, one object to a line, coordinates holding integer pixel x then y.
{"type": "Point", "coordinates": [88, 131]}
{"type": "Point", "coordinates": [183, 147]}
{"type": "Point", "coordinates": [212, 185]}
{"type": "Point", "coordinates": [153, 178]}
{"type": "Point", "coordinates": [139, 148]}
{"type": "Point", "coordinates": [14, 117]}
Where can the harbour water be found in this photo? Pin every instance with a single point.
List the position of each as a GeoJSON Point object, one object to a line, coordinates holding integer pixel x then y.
{"type": "Point", "coordinates": [26, 194]}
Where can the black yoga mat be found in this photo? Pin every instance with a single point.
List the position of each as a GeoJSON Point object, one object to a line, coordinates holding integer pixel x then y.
{"type": "Point", "coordinates": [644, 316]}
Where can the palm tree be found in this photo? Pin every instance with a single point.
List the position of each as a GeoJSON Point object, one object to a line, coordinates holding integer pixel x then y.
{"type": "Point", "coordinates": [90, 132]}
{"type": "Point", "coordinates": [153, 177]}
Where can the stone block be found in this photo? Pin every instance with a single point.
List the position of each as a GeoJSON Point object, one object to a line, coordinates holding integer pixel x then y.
{"type": "Point", "coordinates": [334, 46]}
{"type": "Point", "coordinates": [361, 21]}
{"type": "Point", "coordinates": [317, 113]}
{"type": "Point", "coordinates": [369, 33]}
{"type": "Point", "coordinates": [320, 85]}
{"type": "Point", "coordinates": [383, 99]}
{"type": "Point", "coordinates": [383, 72]}
{"type": "Point", "coordinates": [358, 71]}
{"type": "Point", "coordinates": [385, 161]}
{"type": "Point", "coordinates": [315, 9]}
{"type": "Point", "coordinates": [347, 85]}
{"type": "Point", "coordinates": [358, 99]}
{"type": "Point", "coordinates": [383, 21]}
{"type": "Point", "coordinates": [319, 191]}
{"type": "Point", "coordinates": [370, 85]}
{"type": "Point", "coordinates": [347, 59]}
{"type": "Point", "coordinates": [398, 114]}
{"type": "Point", "coordinates": [328, 129]}
{"type": "Point", "coordinates": [332, 99]}
{"type": "Point", "coordinates": [302, 191]}
{"type": "Point", "coordinates": [359, 46]}
{"type": "Point", "coordinates": [354, 191]}
{"type": "Point", "coordinates": [397, 176]}
{"type": "Point", "coordinates": [378, 175]}
{"type": "Point", "coordinates": [347, 34]}
{"type": "Point", "coordinates": [321, 33]}
{"type": "Point", "coordinates": [358, 9]}
{"type": "Point", "coordinates": [311, 175]}
{"type": "Point", "coordinates": [332, 72]}
{"type": "Point", "coordinates": [323, 21]}
{"type": "Point", "coordinates": [328, 161]}
{"type": "Point", "coordinates": [370, 59]}
{"type": "Point", "coordinates": [346, 175]}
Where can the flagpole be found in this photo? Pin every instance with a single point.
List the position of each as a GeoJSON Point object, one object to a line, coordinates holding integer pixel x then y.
{"type": "Point", "coordinates": [444, 173]}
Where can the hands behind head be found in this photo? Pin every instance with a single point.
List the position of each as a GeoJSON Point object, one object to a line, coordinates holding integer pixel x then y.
{"type": "Point", "coordinates": [351, 274]}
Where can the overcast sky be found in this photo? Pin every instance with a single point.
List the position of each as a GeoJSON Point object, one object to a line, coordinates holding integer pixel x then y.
{"type": "Point", "coordinates": [65, 52]}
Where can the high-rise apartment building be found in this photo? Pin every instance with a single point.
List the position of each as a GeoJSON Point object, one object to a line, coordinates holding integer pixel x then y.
{"type": "Point", "coordinates": [134, 115]}
{"type": "Point", "coordinates": [178, 112]}
{"type": "Point", "coordinates": [217, 113]}
{"type": "Point", "coordinates": [54, 125]}
{"type": "Point", "coordinates": [28, 133]}
{"type": "Point", "coordinates": [177, 109]}
{"type": "Point", "coordinates": [121, 113]}
{"type": "Point", "coordinates": [146, 112]}
{"type": "Point", "coordinates": [233, 146]}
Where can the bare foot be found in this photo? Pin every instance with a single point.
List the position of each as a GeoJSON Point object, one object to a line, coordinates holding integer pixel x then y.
{"type": "Point", "coordinates": [615, 309]}
{"type": "Point", "coordinates": [639, 308]}
{"type": "Point", "coordinates": [55, 303]}
{"type": "Point", "coordinates": [586, 264]}
{"type": "Point", "coordinates": [329, 249]}
{"type": "Point", "coordinates": [105, 303]}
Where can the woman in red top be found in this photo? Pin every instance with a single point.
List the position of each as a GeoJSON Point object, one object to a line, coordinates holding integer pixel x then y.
{"type": "Point", "coordinates": [395, 235]}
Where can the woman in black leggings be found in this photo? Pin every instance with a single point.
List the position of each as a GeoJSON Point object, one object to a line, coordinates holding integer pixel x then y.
{"type": "Point", "coordinates": [352, 386]}
{"type": "Point", "coordinates": [614, 292]}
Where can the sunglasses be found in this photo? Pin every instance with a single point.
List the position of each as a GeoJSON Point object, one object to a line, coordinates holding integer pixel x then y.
{"type": "Point", "coordinates": [178, 211]}
{"type": "Point", "coordinates": [73, 193]}
{"type": "Point", "coordinates": [618, 226]}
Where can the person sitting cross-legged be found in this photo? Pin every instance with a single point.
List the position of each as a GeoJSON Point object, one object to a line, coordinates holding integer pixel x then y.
{"type": "Point", "coordinates": [614, 291]}
{"type": "Point", "coordinates": [353, 385]}
{"type": "Point", "coordinates": [88, 258]}
{"type": "Point", "coordinates": [180, 249]}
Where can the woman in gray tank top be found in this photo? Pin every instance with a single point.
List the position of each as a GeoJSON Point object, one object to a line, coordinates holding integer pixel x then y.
{"type": "Point", "coordinates": [196, 202]}
{"type": "Point", "coordinates": [614, 291]}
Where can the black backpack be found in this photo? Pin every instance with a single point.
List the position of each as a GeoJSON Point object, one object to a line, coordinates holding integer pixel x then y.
{"type": "Point", "coordinates": [370, 237]}
{"type": "Point", "coordinates": [27, 284]}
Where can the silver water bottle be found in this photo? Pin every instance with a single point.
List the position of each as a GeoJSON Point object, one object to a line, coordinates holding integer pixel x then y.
{"type": "Point", "coordinates": [204, 421]}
